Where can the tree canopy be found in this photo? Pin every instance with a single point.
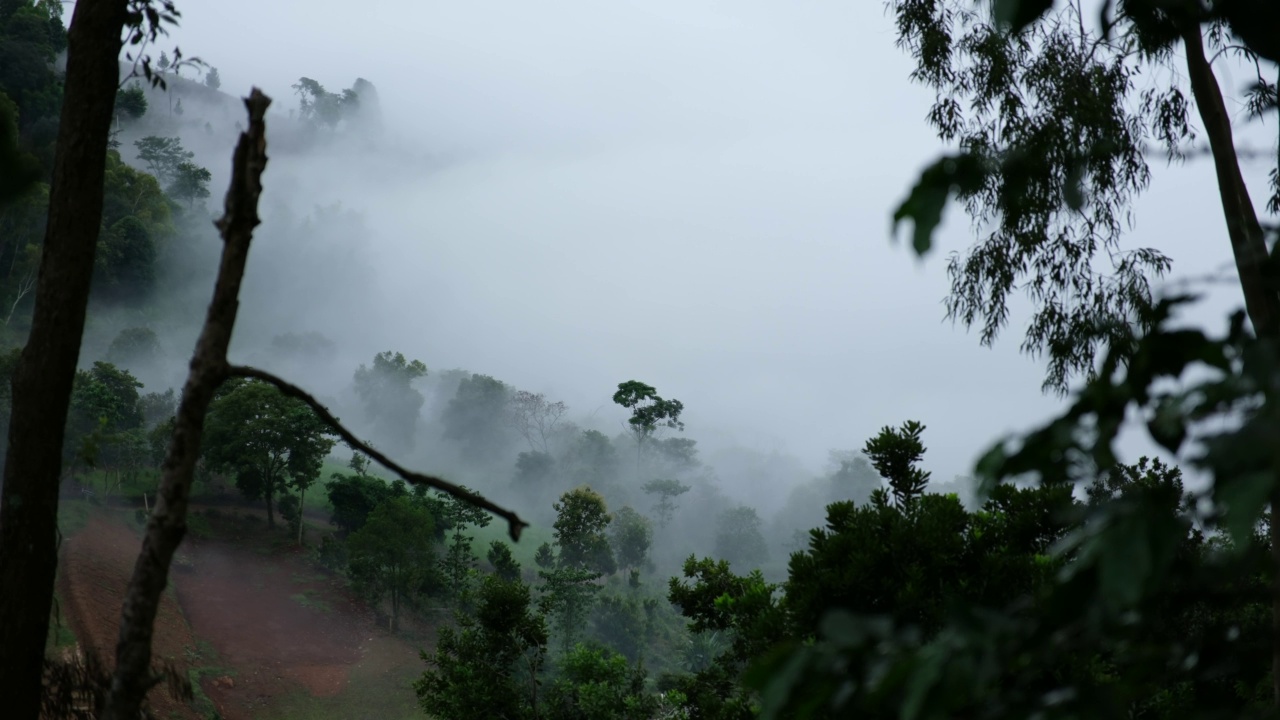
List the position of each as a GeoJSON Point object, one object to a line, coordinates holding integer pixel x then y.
{"type": "Point", "coordinates": [265, 439]}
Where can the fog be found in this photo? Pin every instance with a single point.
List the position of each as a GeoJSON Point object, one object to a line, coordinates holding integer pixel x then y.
{"type": "Point", "coordinates": [568, 195]}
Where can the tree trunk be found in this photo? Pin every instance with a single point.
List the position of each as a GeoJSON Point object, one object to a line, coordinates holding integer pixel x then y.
{"type": "Point", "coordinates": [302, 501]}
{"type": "Point", "coordinates": [1247, 242]}
{"type": "Point", "coordinates": [43, 377]}
{"type": "Point", "coordinates": [271, 515]}
{"type": "Point", "coordinates": [1250, 250]}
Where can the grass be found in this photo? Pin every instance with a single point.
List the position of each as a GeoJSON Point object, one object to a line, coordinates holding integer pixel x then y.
{"type": "Point", "coordinates": [60, 634]}
{"type": "Point", "coordinates": [523, 551]}
{"type": "Point", "coordinates": [204, 663]}
{"type": "Point", "coordinates": [307, 599]}
{"type": "Point", "coordinates": [199, 527]}
{"type": "Point", "coordinates": [134, 484]}
{"type": "Point", "coordinates": [73, 514]}
{"type": "Point", "coordinates": [377, 687]}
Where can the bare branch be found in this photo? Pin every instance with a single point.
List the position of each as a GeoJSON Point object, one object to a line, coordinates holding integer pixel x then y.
{"type": "Point", "coordinates": [168, 522]}
{"type": "Point", "coordinates": [514, 524]}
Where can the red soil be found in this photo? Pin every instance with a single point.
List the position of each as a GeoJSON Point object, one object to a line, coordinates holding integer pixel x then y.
{"type": "Point", "coordinates": [273, 619]}
{"type": "Point", "coordinates": [96, 565]}
{"type": "Point", "coordinates": [277, 625]}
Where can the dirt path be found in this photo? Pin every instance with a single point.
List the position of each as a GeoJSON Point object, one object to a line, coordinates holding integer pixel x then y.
{"type": "Point", "coordinates": [96, 565]}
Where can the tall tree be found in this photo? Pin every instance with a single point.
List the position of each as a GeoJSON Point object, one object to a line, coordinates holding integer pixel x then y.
{"type": "Point", "coordinates": [667, 491]}
{"type": "Point", "coordinates": [536, 419]}
{"type": "Point", "coordinates": [490, 664]}
{"type": "Point", "coordinates": [43, 378]}
{"type": "Point", "coordinates": [460, 561]}
{"type": "Point", "coordinates": [632, 535]}
{"type": "Point", "coordinates": [163, 156]}
{"type": "Point", "coordinates": [738, 538]}
{"type": "Point", "coordinates": [190, 183]}
{"type": "Point", "coordinates": [393, 553]}
{"type": "Point", "coordinates": [266, 439]}
{"type": "Point", "coordinates": [389, 398]}
{"type": "Point", "coordinates": [649, 411]}
{"type": "Point", "coordinates": [476, 417]}
{"type": "Point", "coordinates": [582, 520]}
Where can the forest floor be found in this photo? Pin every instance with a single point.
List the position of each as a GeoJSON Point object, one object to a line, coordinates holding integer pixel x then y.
{"type": "Point", "coordinates": [261, 630]}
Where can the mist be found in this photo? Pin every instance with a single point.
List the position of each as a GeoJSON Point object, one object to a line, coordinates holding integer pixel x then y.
{"type": "Point", "coordinates": [568, 196]}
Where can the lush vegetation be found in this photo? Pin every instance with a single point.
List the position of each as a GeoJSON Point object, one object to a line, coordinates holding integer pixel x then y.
{"type": "Point", "coordinates": [1070, 585]}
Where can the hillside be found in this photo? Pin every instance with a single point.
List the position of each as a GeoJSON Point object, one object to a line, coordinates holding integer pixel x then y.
{"type": "Point", "coordinates": [260, 631]}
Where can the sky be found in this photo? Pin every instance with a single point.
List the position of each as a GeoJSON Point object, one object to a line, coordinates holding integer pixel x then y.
{"type": "Point", "coordinates": [697, 195]}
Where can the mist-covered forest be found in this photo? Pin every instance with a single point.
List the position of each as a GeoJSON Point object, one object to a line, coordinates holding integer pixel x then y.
{"type": "Point", "coordinates": [244, 476]}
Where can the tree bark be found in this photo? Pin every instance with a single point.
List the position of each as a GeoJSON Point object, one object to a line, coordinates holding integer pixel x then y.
{"type": "Point", "coordinates": [1248, 244]}
{"type": "Point", "coordinates": [270, 492]}
{"type": "Point", "coordinates": [45, 370]}
{"type": "Point", "coordinates": [302, 519]}
{"type": "Point", "coordinates": [168, 522]}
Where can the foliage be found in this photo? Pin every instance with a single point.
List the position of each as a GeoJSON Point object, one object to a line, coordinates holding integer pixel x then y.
{"type": "Point", "coordinates": [631, 538]}
{"type": "Point", "coordinates": [741, 610]}
{"type": "Point", "coordinates": [491, 662]}
{"type": "Point", "coordinates": [31, 36]}
{"type": "Point", "coordinates": [649, 411]}
{"type": "Point", "coordinates": [582, 519]}
{"type": "Point", "coordinates": [21, 168]}
{"type": "Point", "coordinates": [597, 684]}
{"type": "Point", "coordinates": [190, 183]}
{"type": "Point", "coordinates": [505, 566]}
{"type": "Point", "coordinates": [105, 394]}
{"type": "Point", "coordinates": [157, 407]}
{"type": "Point", "coordinates": [136, 347]}
{"type": "Point", "coordinates": [894, 454]}
{"type": "Point", "coordinates": [534, 470]}
{"type": "Point", "coordinates": [265, 438]}
{"type": "Point", "coordinates": [476, 417]}
{"type": "Point", "coordinates": [738, 537]}
{"type": "Point", "coordinates": [568, 593]}
{"type": "Point", "coordinates": [290, 507]}
{"type": "Point", "coordinates": [163, 156]}
{"type": "Point", "coordinates": [667, 491]}
{"type": "Point", "coordinates": [131, 102]}
{"type": "Point", "coordinates": [212, 79]}
{"type": "Point", "coordinates": [389, 398]}
{"type": "Point", "coordinates": [1050, 131]}
{"type": "Point", "coordinates": [321, 108]}
{"type": "Point", "coordinates": [353, 497]}
{"type": "Point", "coordinates": [393, 555]}
{"type": "Point", "coordinates": [136, 218]}
{"type": "Point", "coordinates": [545, 556]}
{"type": "Point", "coordinates": [624, 623]}
{"type": "Point", "coordinates": [460, 563]}
{"type": "Point", "coordinates": [592, 460]}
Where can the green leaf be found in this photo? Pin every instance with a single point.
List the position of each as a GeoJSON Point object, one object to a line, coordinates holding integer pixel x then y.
{"type": "Point", "coordinates": [924, 205]}
{"type": "Point", "coordinates": [1018, 14]}
{"type": "Point", "coordinates": [1125, 560]}
{"type": "Point", "coordinates": [1168, 427]}
{"type": "Point", "coordinates": [1243, 499]}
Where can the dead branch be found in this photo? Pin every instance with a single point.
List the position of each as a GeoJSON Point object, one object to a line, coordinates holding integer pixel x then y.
{"type": "Point", "coordinates": [209, 369]}
{"type": "Point", "coordinates": [514, 524]}
{"type": "Point", "coordinates": [168, 522]}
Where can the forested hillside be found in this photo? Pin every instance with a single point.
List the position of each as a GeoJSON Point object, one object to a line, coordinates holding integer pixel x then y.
{"type": "Point", "coordinates": [279, 523]}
